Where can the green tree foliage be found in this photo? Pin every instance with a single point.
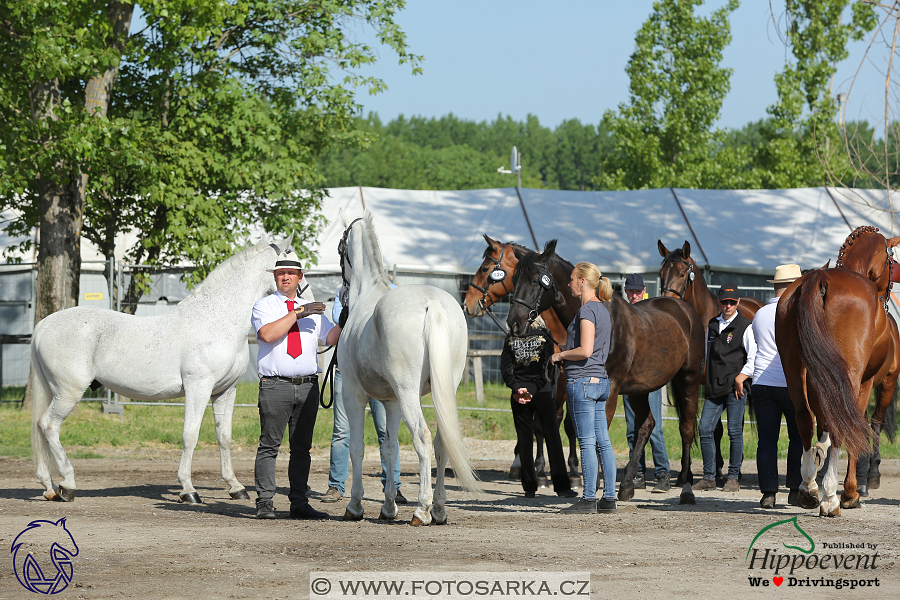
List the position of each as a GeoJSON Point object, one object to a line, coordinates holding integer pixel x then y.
{"type": "Point", "coordinates": [802, 142]}
{"type": "Point", "coordinates": [211, 120]}
{"type": "Point", "coordinates": [664, 135]}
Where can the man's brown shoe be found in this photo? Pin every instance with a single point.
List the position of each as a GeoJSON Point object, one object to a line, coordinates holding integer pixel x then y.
{"type": "Point", "coordinates": [704, 485]}
{"type": "Point", "coordinates": [332, 495]}
{"type": "Point", "coordinates": [731, 485]}
{"type": "Point", "coordinates": [767, 500]}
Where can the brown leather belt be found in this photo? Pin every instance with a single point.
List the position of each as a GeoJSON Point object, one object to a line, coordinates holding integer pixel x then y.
{"type": "Point", "coordinates": [295, 380]}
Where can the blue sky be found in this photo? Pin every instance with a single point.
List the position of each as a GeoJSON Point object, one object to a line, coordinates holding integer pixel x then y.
{"type": "Point", "coordinates": [566, 59]}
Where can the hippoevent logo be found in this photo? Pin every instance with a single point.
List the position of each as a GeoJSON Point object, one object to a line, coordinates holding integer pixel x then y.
{"type": "Point", "coordinates": [42, 556]}
{"type": "Point", "coordinates": [799, 565]}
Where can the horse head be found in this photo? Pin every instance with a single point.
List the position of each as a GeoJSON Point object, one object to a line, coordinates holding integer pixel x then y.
{"type": "Point", "coordinates": [677, 272]}
{"type": "Point", "coordinates": [534, 289]}
{"type": "Point", "coordinates": [493, 280]}
{"type": "Point", "coordinates": [869, 253]}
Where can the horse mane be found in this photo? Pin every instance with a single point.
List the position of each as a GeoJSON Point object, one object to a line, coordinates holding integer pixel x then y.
{"type": "Point", "coordinates": [845, 247]}
{"type": "Point", "coordinates": [224, 271]}
{"type": "Point", "coordinates": [489, 250]}
{"type": "Point", "coordinates": [529, 265]}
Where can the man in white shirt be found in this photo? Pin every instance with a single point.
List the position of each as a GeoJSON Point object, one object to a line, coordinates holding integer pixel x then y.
{"type": "Point", "coordinates": [730, 350]}
{"type": "Point", "coordinates": [771, 400]}
{"type": "Point", "coordinates": [287, 330]}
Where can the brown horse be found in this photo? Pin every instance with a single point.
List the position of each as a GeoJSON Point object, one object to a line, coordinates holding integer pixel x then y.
{"type": "Point", "coordinates": [652, 343]}
{"type": "Point", "coordinates": [493, 281]}
{"type": "Point", "coordinates": [680, 278]}
{"type": "Point", "coordinates": [836, 342]}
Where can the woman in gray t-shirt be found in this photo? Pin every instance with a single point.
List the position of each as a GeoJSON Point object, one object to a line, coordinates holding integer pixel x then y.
{"type": "Point", "coordinates": [587, 386]}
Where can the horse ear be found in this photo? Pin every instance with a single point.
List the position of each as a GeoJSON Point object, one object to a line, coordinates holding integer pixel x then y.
{"type": "Point", "coordinates": [494, 244]}
{"type": "Point", "coordinates": [286, 243]}
{"type": "Point", "coordinates": [342, 217]}
{"type": "Point", "coordinates": [893, 241]}
{"type": "Point", "coordinates": [264, 239]}
{"type": "Point", "coordinates": [686, 250]}
{"type": "Point", "coordinates": [549, 249]}
{"type": "Point", "coordinates": [827, 265]}
{"type": "Point", "coordinates": [663, 251]}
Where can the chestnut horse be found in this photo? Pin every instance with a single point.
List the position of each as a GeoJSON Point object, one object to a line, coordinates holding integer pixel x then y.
{"type": "Point", "coordinates": [837, 341]}
{"type": "Point", "coordinates": [680, 277]}
{"type": "Point", "coordinates": [493, 281]}
{"type": "Point", "coordinates": [651, 343]}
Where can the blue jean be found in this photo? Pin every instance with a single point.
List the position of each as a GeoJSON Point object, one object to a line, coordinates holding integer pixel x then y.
{"type": "Point", "coordinates": [769, 404]}
{"type": "Point", "coordinates": [657, 440]}
{"type": "Point", "coordinates": [587, 405]}
{"type": "Point", "coordinates": [339, 469]}
{"type": "Point", "coordinates": [712, 411]}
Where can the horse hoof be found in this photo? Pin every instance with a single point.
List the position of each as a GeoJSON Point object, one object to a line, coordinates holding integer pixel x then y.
{"type": "Point", "coordinates": [436, 521]}
{"type": "Point", "coordinates": [384, 517]}
{"type": "Point", "coordinates": [417, 522]}
{"type": "Point", "coordinates": [687, 497]}
{"type": "Point", "coordinates": [348, 516]}
{"type": "Point", "coordinates": [874, 482]}
{"type": "Point", "coordinates": [575, 481]}
{"type": "Point", "coordinates": [64, 495]}
{"type": "Point", "coordinates": [835, 513]}
{"type": "Point", "coordinates": [626, 493]}
{"type": "Point", "coordinates": [808, 500]}
{"type": "Point", "coordinates": [240, 495]}
{"type": "Point", "coordinates": [190, 498]}
{"type": "Point", "coordinates": [515, 473]}
{"type": "Point", "coordinates": [853, 503]}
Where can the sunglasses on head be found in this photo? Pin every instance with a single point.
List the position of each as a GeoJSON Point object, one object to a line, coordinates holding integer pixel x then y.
{"type": "Point", "coordinates": [728, 302]}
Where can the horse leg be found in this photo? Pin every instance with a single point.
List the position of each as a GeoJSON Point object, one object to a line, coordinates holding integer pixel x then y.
{"type": "Point", "coordinates": [539, 461]}
{"type": "Point", "coordinates": [873, 478]}
{"type": "Point", "coordinates": [439, 510]}
{"type": "Point", "coordinates": [50, 424]}
{"type": "Point", "coordinates": [355, 407]}
{"type": "Point", "coordinates": [421, 437]}
{"type": "Point", "coordinates": [850, 495]}
{"type": "Point", "coordinates": [195, 399]}
{"type": "Point", "coordinates": [223, 409]}
{"type": "Point", "coordinates": [830, 506]}
{"type": "Point", "coordinates": [572, 462]}
{"type": "Point", "coordinates": [642, 415]}
{"type": "Point", "coordinates": [390, 450]}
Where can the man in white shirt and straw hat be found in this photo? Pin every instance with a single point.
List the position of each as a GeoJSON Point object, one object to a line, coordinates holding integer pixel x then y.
{"type": "Point", "coordinates": [771, 400]}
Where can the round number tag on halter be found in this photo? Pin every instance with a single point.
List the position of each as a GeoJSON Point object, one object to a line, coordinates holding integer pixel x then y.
{"type": "Point", "coordinates": [691, 275]}
{"type": "Point", "coordinates": [498, 275]}
{"type": "Point", "coordinates": [546, 281]}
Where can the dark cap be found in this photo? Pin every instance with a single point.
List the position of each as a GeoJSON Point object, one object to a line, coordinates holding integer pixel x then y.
{"type": "Point", "coordinates": [729, 291]}
{"type": "Point", "coordinates": [634, 282]}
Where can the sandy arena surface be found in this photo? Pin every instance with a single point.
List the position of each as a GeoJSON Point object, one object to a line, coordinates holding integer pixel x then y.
{"type": "Point", "coordinates": [137, 541]}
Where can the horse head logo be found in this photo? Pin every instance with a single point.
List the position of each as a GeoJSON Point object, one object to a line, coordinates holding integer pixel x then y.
{"type": "Point", "coordinates": [33, 569]}
{"type": "Point", "coordinates": [793, 520]}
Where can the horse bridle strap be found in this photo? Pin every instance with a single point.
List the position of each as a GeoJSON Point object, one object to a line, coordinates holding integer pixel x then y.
{"type": "Point", "coordinates": [497, 275]}
{"type": "Point", "coordinates": [688, 280]}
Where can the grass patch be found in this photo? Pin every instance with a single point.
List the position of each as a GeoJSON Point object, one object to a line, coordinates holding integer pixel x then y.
{"type": "Point", "coordinates": [88, 433]}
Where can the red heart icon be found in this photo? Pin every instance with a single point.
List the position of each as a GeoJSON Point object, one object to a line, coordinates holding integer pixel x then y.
{"type": "Point", "coordinates": [778, 580]}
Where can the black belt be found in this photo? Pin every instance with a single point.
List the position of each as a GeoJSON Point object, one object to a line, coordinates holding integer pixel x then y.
{"type": "Point", "coordinates": [296, 380]}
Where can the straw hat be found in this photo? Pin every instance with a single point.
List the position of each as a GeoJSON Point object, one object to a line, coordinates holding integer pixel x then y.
{"type": "Point", "coordinates": [287, 260]}
{"type": "Point", "coordinates": [785, 274]}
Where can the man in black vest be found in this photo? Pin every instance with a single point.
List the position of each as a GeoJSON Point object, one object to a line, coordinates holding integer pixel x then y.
{"type": "Point", "coordinates": [730, 349]}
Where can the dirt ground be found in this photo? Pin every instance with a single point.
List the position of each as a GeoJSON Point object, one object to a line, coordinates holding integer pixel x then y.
{"type": "Point", "coordinates": [137, 541]}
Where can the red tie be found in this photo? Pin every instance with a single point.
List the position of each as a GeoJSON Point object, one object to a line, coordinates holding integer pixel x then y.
{"type": "Point", "coordinates": [295, 347]}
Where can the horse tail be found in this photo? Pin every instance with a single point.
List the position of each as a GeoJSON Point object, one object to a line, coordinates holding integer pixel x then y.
{"type": "Point", "coordinates": [40, 400]}
{"type": "Point", "coordinates": [829, 374]}
{"type": "Point", "coordinates": [443, 395]}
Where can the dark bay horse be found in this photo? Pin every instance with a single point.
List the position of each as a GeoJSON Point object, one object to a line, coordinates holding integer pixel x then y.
{"type": "Point", "coordinates": [493, 281]}
{"type": "Point", "coordinates": [836, 342]}
{"type": "Point", "coordinates": [680, 277]}
{"type": "Point", "coordinates": [652, 342]}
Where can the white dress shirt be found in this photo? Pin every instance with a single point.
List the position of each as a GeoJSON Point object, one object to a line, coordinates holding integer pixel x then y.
{"type": "Point", "coordinates": [767, 369]}
{"type": "Point", "coordinates": [273, 359]}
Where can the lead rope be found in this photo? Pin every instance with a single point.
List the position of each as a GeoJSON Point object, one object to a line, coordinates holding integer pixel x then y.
{"type": "Point", "coordinates": [329, 372]}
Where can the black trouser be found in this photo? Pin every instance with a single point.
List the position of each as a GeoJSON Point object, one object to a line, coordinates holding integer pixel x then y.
{"type": "Point", "coordinates": [542, 407]}
{"type": "Point", "coordinates": [770, 403]}
{"type": "Point", "coordinates": [283, 404]}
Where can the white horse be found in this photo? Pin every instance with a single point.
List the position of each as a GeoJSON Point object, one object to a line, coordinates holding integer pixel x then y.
{"type": "Point", "coordinates": [396, 345]}
{"type": "Point", "coordinates": [197, 350]}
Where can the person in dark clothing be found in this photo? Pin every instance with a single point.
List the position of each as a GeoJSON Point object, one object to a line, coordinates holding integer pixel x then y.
{"type": "Point", "coordinates": [730, 353]}
{"type": "Point", "coordinates": [526, 369]}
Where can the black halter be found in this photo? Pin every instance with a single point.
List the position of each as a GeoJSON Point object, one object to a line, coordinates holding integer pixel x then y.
{"type": "Point", "coordinates": [342, 251]}
{"type": "Point", "coordinates": [688, 280]}
{"type": "Point", "coordinates": [547, 283]}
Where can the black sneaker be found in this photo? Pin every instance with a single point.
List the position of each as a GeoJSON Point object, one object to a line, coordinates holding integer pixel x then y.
{"type": "Point", "coordinates": [663, 484]}
{"type": "Point", "coordinates": [582, 507]}
{"type": "Point", "coordinates": [265, 510]}
{"type": "Point", "coordinates": [569, 493]}
{"type": "Point", "coordinates": [606, 505]}
{"type": "Point", "coordinates": [400, 498]}
{"type": "Point", "coordinates": [529, 494]}
{"type": "Point", "coordinates": [307, 512]}
{"type": "Point", "coordinates": [863, 491]}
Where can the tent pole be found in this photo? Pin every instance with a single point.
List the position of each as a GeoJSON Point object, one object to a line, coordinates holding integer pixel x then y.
{"type": "Point", "coordinates": [527, 220]}
{"type": "Point", "coordinates": [687, 221]}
